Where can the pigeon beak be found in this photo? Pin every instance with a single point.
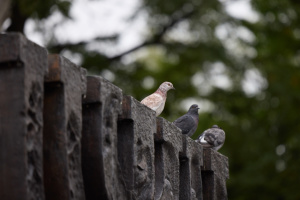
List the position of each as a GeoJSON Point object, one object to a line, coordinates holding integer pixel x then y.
{"type": "Point", "coordinates": [173, 88]}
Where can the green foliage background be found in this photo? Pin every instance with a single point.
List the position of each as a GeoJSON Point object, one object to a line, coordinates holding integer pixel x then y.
{"type": "Point", "coordinates": [263, 129]}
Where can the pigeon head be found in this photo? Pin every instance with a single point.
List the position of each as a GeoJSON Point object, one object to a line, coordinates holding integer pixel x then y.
{"type": "Point", "coordinates": [216, 126]}
{"type": "Point", "coordinates": [166, 86]}
{"type": "Point", "coordinates": [194, 109]}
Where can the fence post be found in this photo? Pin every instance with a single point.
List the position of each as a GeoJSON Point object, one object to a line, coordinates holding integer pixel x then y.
{"type": "Point", "coordinates": [64, 87]}
{"type": "Point", "coordinates": [23, 65]}
{"type": "Point", "coordinates": [190, 169]}
{"type": "Point", "coordinates": [127, 153]}
{"type": "Point", "coordinates": [214, 174]}
{"type": "Point", "coordinates": [101, 172]}
{"type": "Point", "coordinates": [136, 128]}
{"type": "Point", "coordinates": [168, 144]}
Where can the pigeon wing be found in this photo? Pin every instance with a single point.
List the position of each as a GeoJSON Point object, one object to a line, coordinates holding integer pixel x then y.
{"type": "Point", "coordinates": [215, 137]}
{"type": "Point", "coordinates": [212, 138]}
{"type": "Point", "coordinates": [207, 138]}
{"type": "Point", "coordinates": [153, 101]}
{"type": "Point", "coordinates": [202, 139]}
{"type": "Point", "coordinates": [185, 123]}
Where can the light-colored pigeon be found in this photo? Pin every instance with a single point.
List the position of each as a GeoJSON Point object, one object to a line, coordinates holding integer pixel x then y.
{"type": "Point", "coordinates": [157, 100]}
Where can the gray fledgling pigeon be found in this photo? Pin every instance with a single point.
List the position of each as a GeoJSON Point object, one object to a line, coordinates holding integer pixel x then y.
{"type": "Point", "coordinates": [157, 100]}
{"type": "Point", "coordinates": [212, 138]}
{"type": "Point", "coordinates": [188, 123]}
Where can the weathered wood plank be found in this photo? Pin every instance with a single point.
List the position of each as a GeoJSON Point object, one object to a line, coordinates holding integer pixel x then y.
{"type": "Point", "coordinates": [64, 87]}
{"type": "Point", "coordinates": [168, 144]}
{"type": "Point", "coordinates": [214, 175]}
{"type": "Point", "coordinates": [23, 65]}
{"type": "Point", "coordinates": [101, 173]}
{"type": "Point", "coordinates": [190, 169]}
{"type": "Point", "coordinates": [136, 128]}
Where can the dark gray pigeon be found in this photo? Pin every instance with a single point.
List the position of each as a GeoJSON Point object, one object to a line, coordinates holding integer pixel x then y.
{"type": "Point", "coordinates": [212, 138]}
{"type": "Point", "coordinates": [188, 123]}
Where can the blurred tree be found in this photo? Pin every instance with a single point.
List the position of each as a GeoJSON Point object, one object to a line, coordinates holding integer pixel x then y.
{"type": "Point", "coordinates": [244, 75]}
{"type": "Point", "coordinates": [4, 10]}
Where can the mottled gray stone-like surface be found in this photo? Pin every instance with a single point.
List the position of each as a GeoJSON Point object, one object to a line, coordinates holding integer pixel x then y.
{"type": "Point", "coordinates": [101, 170]}
{"type": "Point", "coordinates": [168, 144]}
{"type": "Point", "coordinates": [64, 87]}
{"type": "Point", "coordinates": [23, 65]}
{"type": "Point", "coordinates": [214, 175]}
{"type": "Point", "coordinates": [136, 128]}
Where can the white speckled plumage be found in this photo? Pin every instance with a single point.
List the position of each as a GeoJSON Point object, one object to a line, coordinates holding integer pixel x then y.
{"type": "Point", "coordinates": [213, 137]}
{"type": "Point", "coordinates": [156, 101]}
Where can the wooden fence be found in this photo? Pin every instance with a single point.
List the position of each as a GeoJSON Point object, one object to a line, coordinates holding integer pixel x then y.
{"type": "Point", "coordinates": [65, 135]}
